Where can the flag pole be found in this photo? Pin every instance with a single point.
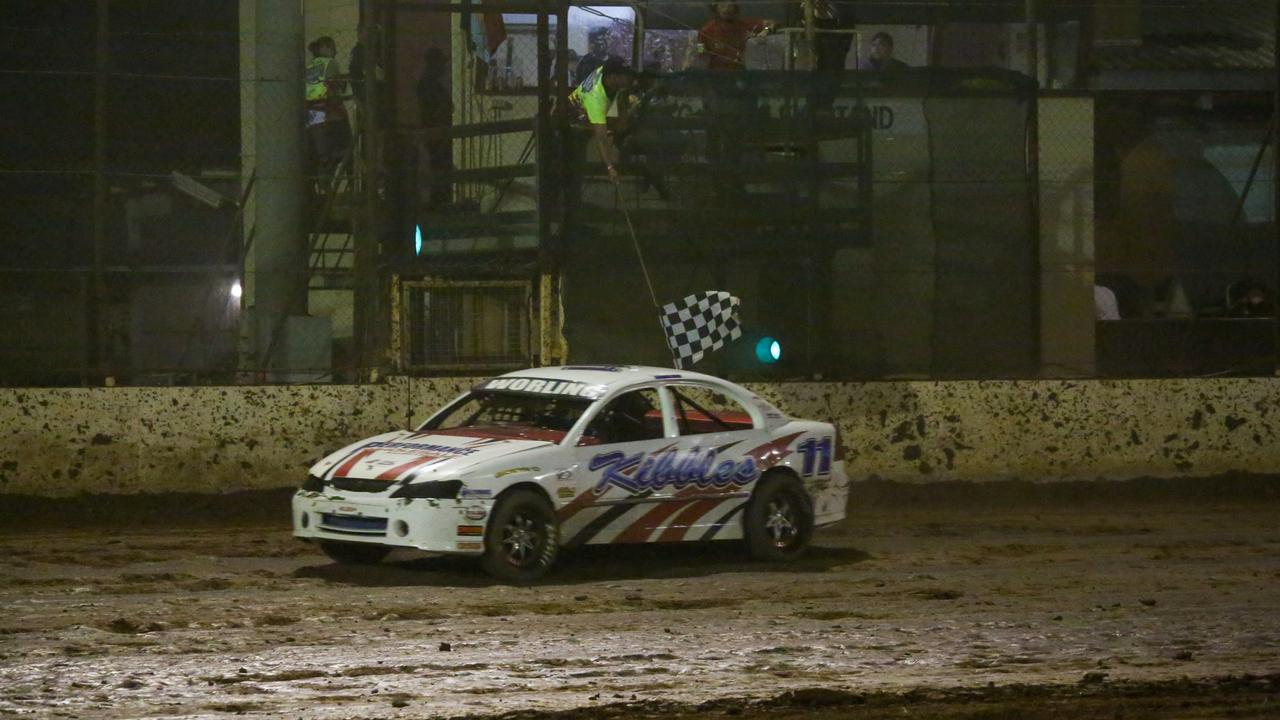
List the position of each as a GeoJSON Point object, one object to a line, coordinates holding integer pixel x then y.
{"type": "Point", "coordinates": [644, 269]}
{"type": "Point", "coordinates": [635, 242]}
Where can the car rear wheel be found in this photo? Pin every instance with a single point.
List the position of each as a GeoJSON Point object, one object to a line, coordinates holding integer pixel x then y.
{"type": "Point", "coordinates": [778, 522]}
{"type": "Point", "coordinates": [523, 538]}
{"type": "Point", "coordinates": [354, 553]}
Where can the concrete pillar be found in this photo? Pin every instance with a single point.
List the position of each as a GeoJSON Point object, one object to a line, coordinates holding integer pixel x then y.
{"type": "Point", "coordinates": [280, 253]}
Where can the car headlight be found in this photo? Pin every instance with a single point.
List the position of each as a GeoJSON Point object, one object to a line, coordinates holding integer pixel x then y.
{"type": "Point", "coordinates": [313, 484]}
{"type": "Point", "coordinates": [434, 489]}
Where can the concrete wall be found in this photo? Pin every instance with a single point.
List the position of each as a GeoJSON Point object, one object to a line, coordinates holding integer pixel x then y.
{"type": "Point", "coordinates": [1046, 429]}
{"type": "Point", "coordinates": [60, 442]}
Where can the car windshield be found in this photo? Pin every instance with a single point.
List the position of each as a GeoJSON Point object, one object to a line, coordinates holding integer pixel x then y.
{"type": "Point", "coordinates": [507, 414]}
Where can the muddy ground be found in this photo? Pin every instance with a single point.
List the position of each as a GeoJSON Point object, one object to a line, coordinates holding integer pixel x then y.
{"type": "Point", "coordinates": [1133, 601]}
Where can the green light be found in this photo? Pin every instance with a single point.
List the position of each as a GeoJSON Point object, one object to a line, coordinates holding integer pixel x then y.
{"type": "Point", "coordinates": [768, 350]}
{"type": "Point", "coordinates": [417, 239]}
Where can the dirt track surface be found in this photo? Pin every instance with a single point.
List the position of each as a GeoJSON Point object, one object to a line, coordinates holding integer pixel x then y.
{"type": "Point", "coordinates": [958, 611]}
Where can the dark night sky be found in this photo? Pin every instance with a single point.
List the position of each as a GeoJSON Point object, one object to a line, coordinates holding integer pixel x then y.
{"type": "Point", "coordinates": [173, 104]}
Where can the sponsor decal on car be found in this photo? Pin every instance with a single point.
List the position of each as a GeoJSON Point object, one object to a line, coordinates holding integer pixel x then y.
{"type": "Point", "coordinates": [420, 447]}
{"type": "Point", "coordinates": [677, 469]}
{"type": "Point", "coordinates": [470, 530]}
{"type": "Point", "coordinates": [543, 386]}
{"type": "Point", "coordinates": [514, 470]}
{"type": "Point", "coordinates": [565, 492]}
{"type": "Point", "coordinates": [475, 493]}
{"type": "Point", "coordinates": [475, 512]}
{"type": "Point", "coordinates": [470, 545]}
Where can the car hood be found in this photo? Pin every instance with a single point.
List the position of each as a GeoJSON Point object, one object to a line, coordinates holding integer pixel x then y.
{"type": "Point", "coordinates": [405, 455]}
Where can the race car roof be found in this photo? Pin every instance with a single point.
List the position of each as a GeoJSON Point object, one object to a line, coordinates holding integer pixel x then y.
{"type": "Point", "coordinates": [609, 376]}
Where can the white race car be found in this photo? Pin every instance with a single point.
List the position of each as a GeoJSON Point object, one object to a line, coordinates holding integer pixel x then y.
{"type": "Point", "coordinates": [537, 460]}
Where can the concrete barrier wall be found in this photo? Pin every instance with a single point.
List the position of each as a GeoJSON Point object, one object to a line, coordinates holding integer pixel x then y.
{"type": "Point", "coordinates": [1047, 430]}
{"type": "Point", "coordinates": [59, 442]}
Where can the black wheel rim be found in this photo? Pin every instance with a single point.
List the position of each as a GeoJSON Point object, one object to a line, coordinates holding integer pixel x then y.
{"type": "Point", "coordinates": [522, 539]}
{"type": "Point", "coordinates": [781, 522]}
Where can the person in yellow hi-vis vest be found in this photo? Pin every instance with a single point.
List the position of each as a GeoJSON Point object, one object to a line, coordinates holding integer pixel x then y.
{"type": "Point", "coordinates": [589, 105]}
{"type": "Point", "coordinates": [328, 128]}
{"type": "Point", "coordinates": [592, 100]}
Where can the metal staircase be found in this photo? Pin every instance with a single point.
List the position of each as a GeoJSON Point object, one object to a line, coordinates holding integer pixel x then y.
{"type": "Point", "coordinates": [330, 236]}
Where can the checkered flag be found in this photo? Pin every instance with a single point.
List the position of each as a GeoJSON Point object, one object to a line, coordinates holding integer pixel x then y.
{"type": "Point", "coordinates": [700, 323]}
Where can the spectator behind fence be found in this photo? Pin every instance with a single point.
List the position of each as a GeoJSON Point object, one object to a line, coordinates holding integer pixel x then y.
{"type": "Point", "coordinates": [328, 128]}
{"type": "Point", "coordinates": [1105, 306]}
{"type": "Point", "coordinates": [722, 42]}
{"type": "Point", "coordinates": [732, 105]}
{"type": "Point", "coordinates": [881, 57]}
{"type": "Point", "coordinates": [435, 110]}
{"type": "Point", "coordinates": [597, 53]}
{"type": "Point", "coordinates": [1249, 298]}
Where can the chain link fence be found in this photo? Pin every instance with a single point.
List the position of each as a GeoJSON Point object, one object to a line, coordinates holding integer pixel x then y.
{"type": "Point", "coordinates": [1119, 220]}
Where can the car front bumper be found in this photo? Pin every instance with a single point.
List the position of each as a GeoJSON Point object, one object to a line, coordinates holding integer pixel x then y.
{"type": "Point", "coordinates": [438, 526]}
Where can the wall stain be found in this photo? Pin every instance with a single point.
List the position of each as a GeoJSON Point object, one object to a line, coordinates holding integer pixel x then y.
{"type": "Point", "coordinates": [902, 433]}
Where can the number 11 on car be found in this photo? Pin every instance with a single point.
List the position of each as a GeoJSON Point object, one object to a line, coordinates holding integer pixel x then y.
{"type": "Point", "coordinates": [815, 449]}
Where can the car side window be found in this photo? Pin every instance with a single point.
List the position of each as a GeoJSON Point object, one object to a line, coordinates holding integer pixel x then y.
{"type": "Point", "coordinates": [632, 416]}
{"type": "Point", "coordinates": [701, 409]}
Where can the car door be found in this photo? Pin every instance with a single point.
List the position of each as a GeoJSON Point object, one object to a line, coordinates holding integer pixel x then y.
{"type": "Point", "coordinates": [613, 460]}
{"type": "Point", "coordinates": [726, 447]}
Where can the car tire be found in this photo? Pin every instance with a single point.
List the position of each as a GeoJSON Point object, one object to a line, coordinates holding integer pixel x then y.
{"type": "Point", "coordinates": [523, 538]}
{"type": "Point", "coordinates": [778, 522]}
{"type": "Point", "coordinates": [354, 553]}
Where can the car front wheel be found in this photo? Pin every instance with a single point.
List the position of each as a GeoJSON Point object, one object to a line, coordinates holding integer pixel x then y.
{"type": "Point", "coordinates": [523, 538]}
{"type": "Point", "coordinates": [354, 553]}
{"type": "Point", "coordinates": [779, 519]}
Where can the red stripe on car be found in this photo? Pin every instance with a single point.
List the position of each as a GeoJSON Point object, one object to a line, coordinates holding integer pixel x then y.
{"type": "Point", "coordinates": [575, 505]}
{"type": "Point", "coordinates": [394, 472]}
{"type": "Point", "coordinates": [639, 530]}
{"type": "Point", "coordinates": [772, 453]}
{"type": "Point", "coordinates": [681, 522]}
{"type": "Point", "coordinates": [346, 466]}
